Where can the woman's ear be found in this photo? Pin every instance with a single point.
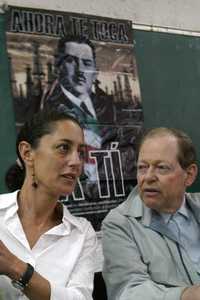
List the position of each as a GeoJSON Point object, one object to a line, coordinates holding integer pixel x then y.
{"type": "Point", "coordinates": [26, 152]}
{"type": "Point", "coordinates": [192, 172]}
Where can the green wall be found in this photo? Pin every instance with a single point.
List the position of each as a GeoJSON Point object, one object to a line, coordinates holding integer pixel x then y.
{"type": "Point", "coordinates": [7, 128]}
{"type": "Point", "coordinates": [169, 72]}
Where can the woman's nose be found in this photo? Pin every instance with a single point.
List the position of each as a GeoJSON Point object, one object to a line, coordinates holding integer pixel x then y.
{"type": "Point", "coordinates": [75, 158]}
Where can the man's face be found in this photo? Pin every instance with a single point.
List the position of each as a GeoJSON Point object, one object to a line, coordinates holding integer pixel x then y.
{"type": "Point", "coordinates": [161, 179]}
{"type": "Point", "coordinates": [77, 70]}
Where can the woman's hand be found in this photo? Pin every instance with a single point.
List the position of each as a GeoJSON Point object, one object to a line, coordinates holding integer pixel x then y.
{"type": "Point", "coordinates": [10, 265]}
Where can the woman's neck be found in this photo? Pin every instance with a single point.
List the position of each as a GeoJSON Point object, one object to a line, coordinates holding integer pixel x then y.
{"type": "Point", "coordinates": [35, 203]}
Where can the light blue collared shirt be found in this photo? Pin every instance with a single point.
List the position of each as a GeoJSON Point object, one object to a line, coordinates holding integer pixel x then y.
{"type": "Point", "coordinates": [186, 230]}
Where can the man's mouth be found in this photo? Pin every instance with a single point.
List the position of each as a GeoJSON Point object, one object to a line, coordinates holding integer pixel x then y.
{"type": "Point", "coordinates": [151, 191]}
{"type": "Point", "coordinates": [80, 79]}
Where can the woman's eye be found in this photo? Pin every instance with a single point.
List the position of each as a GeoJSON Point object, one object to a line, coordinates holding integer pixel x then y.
{"type": "Point", "coordinates": [63, 148]}
{"type": "Point", "coordinates": [82, 155]}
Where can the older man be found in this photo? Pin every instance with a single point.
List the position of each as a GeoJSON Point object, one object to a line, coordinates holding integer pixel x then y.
{"type": "Point", "coordinates": [151, 242]}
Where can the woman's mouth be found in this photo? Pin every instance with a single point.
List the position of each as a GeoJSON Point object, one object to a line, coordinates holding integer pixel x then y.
{"type": "Point", "coordinates": [69, 177]}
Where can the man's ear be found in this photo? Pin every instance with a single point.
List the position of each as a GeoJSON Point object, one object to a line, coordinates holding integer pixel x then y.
{"type": "Point", "coordinates": [95, 74]}
{"type": "Point", "coordinates": [192, 172]}
{"type": "Point", "coordinates": [26, 152]}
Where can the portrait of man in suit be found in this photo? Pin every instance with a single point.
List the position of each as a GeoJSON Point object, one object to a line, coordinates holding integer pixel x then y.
{"type": "Point", "coordinates": [76, 89]}
{"type": "Point", "coordinates": [92, 75]}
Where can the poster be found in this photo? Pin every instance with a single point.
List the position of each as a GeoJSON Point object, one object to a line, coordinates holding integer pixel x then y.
{"type": "Point", "coordinates": [111, 112]}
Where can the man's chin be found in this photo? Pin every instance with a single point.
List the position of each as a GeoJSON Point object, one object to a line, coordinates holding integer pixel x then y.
{"type": "Point", "coordinates": [80, 92]}
{"type": "Point", "coordinates": [151, 202]}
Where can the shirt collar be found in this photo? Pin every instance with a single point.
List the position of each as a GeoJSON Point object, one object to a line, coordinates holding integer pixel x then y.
{"type": "Point", "coordinates": [72, 98]}
{"type": "Point", "coordinates": [76, 101]}
{"type": "Point", "coordinates": [70, 221]}
{"type": "Point", "coordinates": [9, 202]}
{"type": "Point", "coordinates": [182, 210]}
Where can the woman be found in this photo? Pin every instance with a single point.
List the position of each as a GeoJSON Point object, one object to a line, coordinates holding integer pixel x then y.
{"type": "Point", "coordinates": [45, 252]}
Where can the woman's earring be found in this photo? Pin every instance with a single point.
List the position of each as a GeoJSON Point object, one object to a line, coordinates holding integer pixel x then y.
{"type": "Point", "coordinates": [34, 181]}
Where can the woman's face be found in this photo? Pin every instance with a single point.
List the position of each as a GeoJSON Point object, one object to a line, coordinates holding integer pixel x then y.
{"type": "Point", "coordinates": [59, 158]}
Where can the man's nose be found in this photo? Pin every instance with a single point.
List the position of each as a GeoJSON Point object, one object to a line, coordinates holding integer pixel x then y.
{"type": "Point", "coordinates": [150, 173]}
{"type": "Point", "coordinates": [79, 65]}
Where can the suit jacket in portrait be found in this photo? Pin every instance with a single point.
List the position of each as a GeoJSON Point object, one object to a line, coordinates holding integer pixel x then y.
{"type": "Point", "coordinates": [102, 103]}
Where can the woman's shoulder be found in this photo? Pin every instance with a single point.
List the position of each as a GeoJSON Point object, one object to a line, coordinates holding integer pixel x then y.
{"type": "Point", "coordinates": [7, 199]}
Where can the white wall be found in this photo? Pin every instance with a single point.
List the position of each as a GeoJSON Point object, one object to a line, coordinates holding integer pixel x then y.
{"type": "Point", "coordinates": [177, 14]}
